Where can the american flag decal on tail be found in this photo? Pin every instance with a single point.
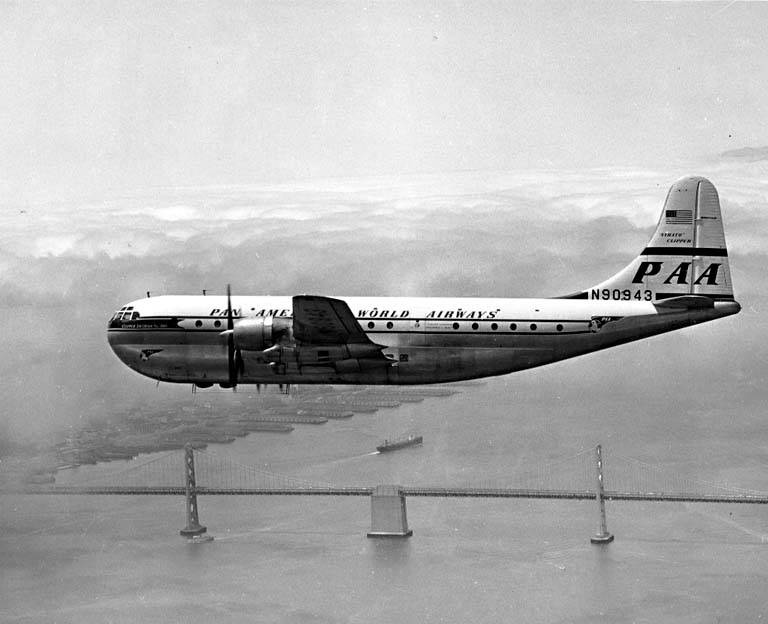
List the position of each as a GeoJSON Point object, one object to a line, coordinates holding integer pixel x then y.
{"type": "Point", "coordinates": [674, 217]}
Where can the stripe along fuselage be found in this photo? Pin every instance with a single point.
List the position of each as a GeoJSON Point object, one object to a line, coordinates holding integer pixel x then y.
{"type": "Point", "coordinates": [178, 338]}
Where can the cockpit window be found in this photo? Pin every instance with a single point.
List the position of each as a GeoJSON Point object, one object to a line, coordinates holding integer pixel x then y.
{"type": "Point", "coordinates": [126, 313]}
{"type": "Point", "coordinates": [115, 320]}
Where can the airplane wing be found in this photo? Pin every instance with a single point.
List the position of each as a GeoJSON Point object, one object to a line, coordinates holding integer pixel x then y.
{"type": "Point", "coordinates": [326, 321]}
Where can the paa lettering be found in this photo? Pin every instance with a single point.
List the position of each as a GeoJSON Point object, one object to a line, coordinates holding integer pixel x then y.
{"type": "Point", "coordinates": [679, 274]}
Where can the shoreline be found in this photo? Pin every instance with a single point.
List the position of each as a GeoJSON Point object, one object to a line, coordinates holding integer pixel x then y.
{"type": "Point", "coordinates": [125, 436]}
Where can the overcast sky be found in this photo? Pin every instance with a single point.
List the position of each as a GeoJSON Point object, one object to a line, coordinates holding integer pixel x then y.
{"type": "Point", "coordinates": [101, 96]}
{"type": "Point", "coordinates": [492, 149]}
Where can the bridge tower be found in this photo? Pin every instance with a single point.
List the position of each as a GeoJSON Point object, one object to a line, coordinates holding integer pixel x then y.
{"type": "Point", "coordinates": [388, 512]}
{"type": "Point", "coordinates": [602, 536]}
{"type": "Point", "coordinates": [193, 528]}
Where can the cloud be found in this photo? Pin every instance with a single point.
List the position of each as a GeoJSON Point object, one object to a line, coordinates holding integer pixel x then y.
{"type": "Point", "coordinates": [749, 154]}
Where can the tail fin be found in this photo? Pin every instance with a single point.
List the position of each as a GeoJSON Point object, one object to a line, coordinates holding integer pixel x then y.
{"type": "Point", "coordinates": [687, 254]}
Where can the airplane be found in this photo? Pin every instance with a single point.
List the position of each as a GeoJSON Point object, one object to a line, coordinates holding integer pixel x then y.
{"type": "Point", "coordinates": [681, 278]}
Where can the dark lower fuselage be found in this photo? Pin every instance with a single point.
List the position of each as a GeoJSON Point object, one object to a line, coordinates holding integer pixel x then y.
{"type": "Point", "coordinates": [180, 342]}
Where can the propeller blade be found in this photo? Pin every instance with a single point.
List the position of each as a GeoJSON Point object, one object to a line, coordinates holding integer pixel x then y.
{"type": "Point", "coordinates": [232, 365]}
{"type": "Point", "coordinates": [230, 319]}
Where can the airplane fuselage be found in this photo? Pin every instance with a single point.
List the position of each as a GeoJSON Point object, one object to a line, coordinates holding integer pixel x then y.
{"type": "Point", "coordinates": [680, 278]}
{"type": "Point", "coordinates": [427, 340]}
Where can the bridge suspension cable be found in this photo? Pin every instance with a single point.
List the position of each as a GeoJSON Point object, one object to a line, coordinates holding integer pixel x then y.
{"type": "Point", "coordinates": [572, 476]}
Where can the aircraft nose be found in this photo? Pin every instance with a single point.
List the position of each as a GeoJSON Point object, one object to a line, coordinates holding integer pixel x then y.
{"type": "Point", "coordinates": [119, 351]}
{"type": "Point", "coordinates": [115, 337]}
{"type": "Point", "coordinates": [113, 321]}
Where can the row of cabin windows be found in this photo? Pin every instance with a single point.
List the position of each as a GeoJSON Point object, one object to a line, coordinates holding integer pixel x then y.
{"type": "Point", "coordinates": [475, 326]}
{"type": "Point", "coordinates": [390, 325]}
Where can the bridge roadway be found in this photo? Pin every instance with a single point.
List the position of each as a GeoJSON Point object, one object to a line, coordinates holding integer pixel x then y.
{"type": "Point", "coordinates": [437, 492]}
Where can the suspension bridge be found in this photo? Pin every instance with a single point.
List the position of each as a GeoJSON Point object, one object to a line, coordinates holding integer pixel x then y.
{"type": "Point", "coordinates": [586, 475]}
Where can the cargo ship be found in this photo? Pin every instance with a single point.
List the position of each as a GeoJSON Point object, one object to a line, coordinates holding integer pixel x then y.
{"type": "Point", "coordinates": [398, 443]}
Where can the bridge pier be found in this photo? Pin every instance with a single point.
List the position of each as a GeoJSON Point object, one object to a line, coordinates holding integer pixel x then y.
{"type": "Point", "coordinates": [388, 512]}
{"type": "Point", "coordinates": [602, 536]}
{"type": "Point", "coordinates": [193, 529]}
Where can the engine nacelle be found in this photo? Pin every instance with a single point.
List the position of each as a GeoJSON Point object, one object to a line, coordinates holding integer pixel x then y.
{"type": "Point", "coordinates": [260, 333]}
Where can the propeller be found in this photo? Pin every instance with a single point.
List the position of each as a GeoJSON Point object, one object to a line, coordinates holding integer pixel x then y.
{"type": "Point", "coordinates": [234, 359]}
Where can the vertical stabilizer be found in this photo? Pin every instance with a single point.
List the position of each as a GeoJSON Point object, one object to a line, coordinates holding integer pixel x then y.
{"type": "Point", "coordinates": [686, 255]}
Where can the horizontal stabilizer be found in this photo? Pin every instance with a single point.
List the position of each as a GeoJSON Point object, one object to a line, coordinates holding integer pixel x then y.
{"type": "Point", "coordinates": [687, 302]}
